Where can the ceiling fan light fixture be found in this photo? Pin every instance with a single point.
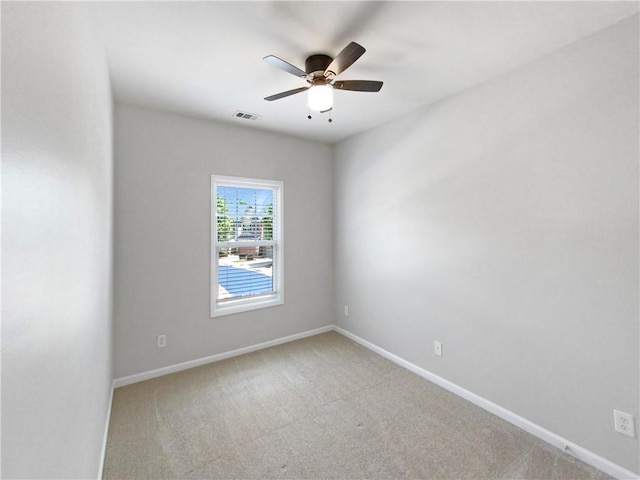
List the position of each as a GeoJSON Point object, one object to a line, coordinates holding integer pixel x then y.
{"type": "Point", "coordinates": [320, 98]}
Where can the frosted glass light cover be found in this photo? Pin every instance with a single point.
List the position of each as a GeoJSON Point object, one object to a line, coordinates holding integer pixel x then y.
{"type": "Point", "coordinates": [320, 98]}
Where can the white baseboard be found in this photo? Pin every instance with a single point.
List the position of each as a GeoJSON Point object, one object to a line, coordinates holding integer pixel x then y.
{"type": "Point", "coordinates": [577, 451]}
{"type": "Point", "coordinates": [139, 377]}
{"type": "Point", "coordinates": [106, 434]}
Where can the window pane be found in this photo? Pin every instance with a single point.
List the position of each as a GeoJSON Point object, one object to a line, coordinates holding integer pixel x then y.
{"type": "Point", "coordinates": [244, 214]}
{"type": "Point", "coordinates": [244, 272]}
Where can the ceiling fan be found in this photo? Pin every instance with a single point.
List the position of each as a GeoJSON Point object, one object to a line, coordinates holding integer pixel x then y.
{"type": "Point", "coordinates": [320, 73]}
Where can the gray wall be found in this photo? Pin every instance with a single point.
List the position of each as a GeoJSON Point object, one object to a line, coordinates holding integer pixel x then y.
{"type": "Point", "coordinates": [504, 222]}
{"type": "Point", "coordinates": [162, 234]}
{"type": "Point", "coordinates": [56, 229]}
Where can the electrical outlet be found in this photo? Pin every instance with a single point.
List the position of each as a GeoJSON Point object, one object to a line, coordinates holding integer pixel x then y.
{"type": "Point", "coordinates": [346, 310]}
{"type": "Point", "coordinates": [162, 341]}
{"type": "Point", "coordinates": [437, 348]}
{"type": "Point", "coordinates": [623, 423]}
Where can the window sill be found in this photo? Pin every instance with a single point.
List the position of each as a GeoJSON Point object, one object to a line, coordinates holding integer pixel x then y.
{"type": "Point", "coordinates": [240, 306]}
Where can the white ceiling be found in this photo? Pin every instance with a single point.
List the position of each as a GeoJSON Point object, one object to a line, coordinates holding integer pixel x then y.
{"type": "Point", "coordinates": [204, 59]}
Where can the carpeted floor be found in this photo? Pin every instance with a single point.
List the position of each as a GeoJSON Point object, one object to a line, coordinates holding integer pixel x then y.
{"type": "Point", "coordinates": [319, 408]}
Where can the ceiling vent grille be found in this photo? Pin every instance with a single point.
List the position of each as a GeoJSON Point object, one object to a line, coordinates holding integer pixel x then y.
{"type": "Point", "coordinates": [246, 115]}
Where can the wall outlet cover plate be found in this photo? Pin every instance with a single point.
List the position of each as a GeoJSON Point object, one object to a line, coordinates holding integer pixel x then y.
{"type": "Point", "coordinates": [623, 423]}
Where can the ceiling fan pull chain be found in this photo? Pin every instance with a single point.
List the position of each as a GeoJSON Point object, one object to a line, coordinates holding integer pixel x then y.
{"type": "Point", "coordinates": [330, 119]}
{"type": "Point", "coordinates": [309, 116]}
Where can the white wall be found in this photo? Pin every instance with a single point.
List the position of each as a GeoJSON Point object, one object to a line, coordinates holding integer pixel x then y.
{"type": "Point", "coordinates": [504, 222]}
{"type": "Point", "coordinates": [56, 228]}
{"type": "Point", "coordinates": [163, 165]}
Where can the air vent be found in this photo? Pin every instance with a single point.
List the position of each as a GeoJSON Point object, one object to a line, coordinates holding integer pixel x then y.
{"type": "Point", "coordinates": [246, 115]}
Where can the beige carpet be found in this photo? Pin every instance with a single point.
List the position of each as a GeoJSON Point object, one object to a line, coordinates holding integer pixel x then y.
{"type": "Point", "coordinates": [323, 407]}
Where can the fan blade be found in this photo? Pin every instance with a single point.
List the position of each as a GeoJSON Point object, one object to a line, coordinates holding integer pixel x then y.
{"type": "Point", "coordinates": [285, 94]}
{"type": "Point", "coordinates": [286, 66]}
{"type": "Point", "coordinates": [345, 59]}
{"type": "Point", "coordinates": [358, 85]}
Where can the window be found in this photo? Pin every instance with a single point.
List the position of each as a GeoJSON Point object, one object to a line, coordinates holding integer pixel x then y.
{"type": "Point", "coordinates": [246, 244]}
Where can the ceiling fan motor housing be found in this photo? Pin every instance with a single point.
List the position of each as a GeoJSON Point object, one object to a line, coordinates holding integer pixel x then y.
{"type": "Point", "coordinates": [317, 64]}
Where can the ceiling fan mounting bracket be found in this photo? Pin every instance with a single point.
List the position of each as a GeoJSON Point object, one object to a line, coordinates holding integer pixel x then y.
{"type": "Point", "coordinates": [315, 81]}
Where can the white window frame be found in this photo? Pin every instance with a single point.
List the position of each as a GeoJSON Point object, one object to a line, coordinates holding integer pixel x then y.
{"type": "Point", "coordinates": [246, 304]}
